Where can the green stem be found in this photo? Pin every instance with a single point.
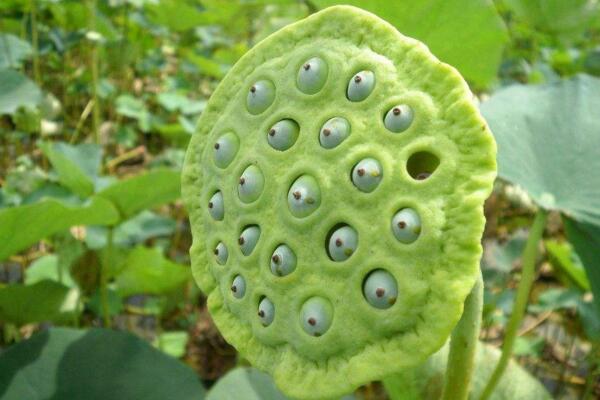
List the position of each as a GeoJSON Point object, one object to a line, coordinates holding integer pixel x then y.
{"type": "Point", "coordinates": [34, 43]}
{"type": "Point", "coordinates": [527, 278]}
{"type": "Point", "coordinates": [104, 271]}
{"type": "Point", "coordinates": [463, 346]}
{"type": "Point", "coordinates": [593, 371]}
{"type": "Point", "coordinates": [94, 69]}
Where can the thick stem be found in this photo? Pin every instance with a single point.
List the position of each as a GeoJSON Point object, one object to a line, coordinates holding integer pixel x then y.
{"type": "Point", "coordinates": [463, 346]}
{"type": "Point", "coordinates": [527, 277]}
{"type": "Point", "coordinates": [104, 270]}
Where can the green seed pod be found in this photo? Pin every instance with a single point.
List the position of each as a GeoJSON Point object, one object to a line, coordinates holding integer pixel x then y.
{"type": "Point", "coordinates": [406, 225]}
{"type": "Point", "coordinates": [361, 85]}
{"type": "Point", "coordinates": [248, 239]}
{"type": "Point", "coordinates": [251, 184]}
{"type": "Point", "coordinates": [283, 261]}
{"type": "Point", "coordinates": [367, 174]}
{"type": "Point", "coordinates": [316, 316]}
{"type": "Point", "coordinates": [216, 207]}
{"type": "Point", "coordinates": [238, 287]}
{"type": "Point", "coordinates": [342, 243]}
{"type": "Point", "coordinates": [226, 147]}
{"type": "Point", "coordinates": [266, 311]}
{"type": "Point", "coordinates": [380, 289]}
{"type": "Point", "coordinates": [398, 118]}
{"type": "Point", "coordinates": [221, 253]}
{"type": "Point", "coordinates": [312, 75]}
{"type": "Point", "coordinates": [260, 96]}
{"type": "Point", "coordinates": [283, 134]}
{"type": "Point", "coordinates": [448, 139]}
{"type": "Point", "coordinates": [334, 132]}
{"type": "Point", "coordinates": [304, 196]}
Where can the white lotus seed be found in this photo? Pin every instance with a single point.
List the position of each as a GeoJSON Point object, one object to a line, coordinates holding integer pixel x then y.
{"type": "Point", "coordinates": [361, 85]}
{"type": "Point", "coordinates": [316, 316]}
{"type": "Point", "coordinates": [216, 206]}
{"type": "Point", "coordinates": [225, 149]}
{"type": "Point", "coordinates": [367, 174]}
{"type": "Point", "coordinates": [304, 196]}
{"type": "Point", "coordinates": [266, 311]}
{"type": "Point", "coordinates": [398, 118]}
{"type": "Point", "coordinates": [238, 287]}
{"type": "Point", "coordinates": [342, 243]}
{"type": "Point", "coordinates": [283, 134]}
{"type": "Point", "coordinates": [312, 75]}
{"type": "Point", "coordinates": [406, 225]}
{"type": "Point", "coordinates": [221, 253]}
{"type": "Point", "coordinates": [260, 96]}
{"type": "Point", "coordinates": [380, 289]}
{"type": "Point", "coordinates": [248, 239]}
{"type": "Point", "coordinates": [283, 260]}
{"type": "Point", "coordinates": [251, 184]}
{"type": "Point", "coordinates": [334, 132]}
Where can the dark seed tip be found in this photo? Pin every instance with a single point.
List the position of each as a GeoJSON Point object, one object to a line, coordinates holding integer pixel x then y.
{"type": "Point", "coordinates": [423, 175]}
{"type": "Point", "coordinates": [210, 204]}
{"type": "Point", "coordinates": [326, 132]}
{"type": "Point", "coordinates": [306, 66]}
{"type": "Point", "coordinates": [338, 242]}
{"type": "Point", "coordinates": [261, 313]}
{"type": "Point", "coordinates": [217, 145]}
{"type": "Point", "coordinates": [234, 289]}
{"type": "Point", "coordinates": [242, 181]}
{"type": "Point", "coordinates": [297, 195]}
{"type": "Point", "coordinates": [312, 321]}
{"type": "Point", "coordinates": [396, 111]}
{"type": "Point", "coordinates": [360, 172]}
{"type": "Point", "coordinates": [216, 251]}
{"type": "Point", "coordinates": [241, 240]}
{"type": "Point", "coordinates": [380, 292]}
{"type": "Point", "coordinates": [401, 224]}
{"type": "Point", "coordinates": [272, 132]}
{"type": "Point", "coordinates": [357, 79]}
{"type": "Point", "coordinates": [252, 89]}
{"type": "Point", "coordinates": [275, 259]}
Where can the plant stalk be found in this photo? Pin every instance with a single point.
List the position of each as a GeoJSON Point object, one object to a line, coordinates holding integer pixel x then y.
{"type": "Point", "coordinates": [94, 68]}
{"type": "Point", "coordinates": [463, 346]}
{"type": "Point", "coordinates": [104, 271]}
{"type": "Point", "coordinates": [34, 42]}
{"type": "Point", "coordinates": [527, 277]}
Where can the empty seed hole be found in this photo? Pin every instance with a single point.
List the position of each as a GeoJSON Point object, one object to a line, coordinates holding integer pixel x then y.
{"type": "Point", "coordinates": [421, 165]}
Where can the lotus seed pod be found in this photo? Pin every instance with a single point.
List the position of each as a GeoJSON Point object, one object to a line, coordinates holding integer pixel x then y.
{"type": "Point", "coordinates": [304, 196]}
{"type": "Point", "coordinates": [248, 239]}
{"type": "Point", "coordinates": [303, 192]}
{"type": "Point", "coordinates": [342, 243]}
{"type": "Point", "coordinates": [398, 118]}
{"type": "Point", "coordinates": [283, 261]}
{"type": "Point", "coordinates": [238, 287]}
{"type": "Point", "coordinates": [367, 174]}
{"type": "Point", "coordinates": [312, 75]}
{"type": "Point", "coordinates": [283, 134]}
{"type": "Point", "coordinates": [251, 184]}
{"type": "Point", "coordinates": [334, 132]}
{"type": "Point", "coordinates": [226, 147]}
{"type": "Point", "coordinates": [406, 225]}
{"type": "Point", "coordinates": [316, 316]}
{"type": "Point", "coordinates": [216, 206]}
{"type": "Point", "coordinates": [260, 96]}
{"type": "Point", "coordinates": [380, 289]}
{"type": "Point", "coordinates": [361, 85]}
{"type": "Point", "coordinates": [266, 311]}
{"type": "Point", "coordinates": [221, 253]}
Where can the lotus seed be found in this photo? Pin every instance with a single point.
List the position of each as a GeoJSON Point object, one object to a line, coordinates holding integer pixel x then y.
{"type": "Point", "coordinates": [260, 96]}
{"type": "Point", "coordinates": [304, 196]}
{"type": "Point", "coordinates": [334, 132]}
{"type": "Point", "coordinates": [216, 207]}
{"type": "Point", "coordinates": [361, 85]}
{"type": "Point", "coordinates": [221, 253]}
{"type": "Point", "coordinates": [251, 184]}
{"type": "Point", "coordinates": [312, 75]}
{"type": "Point", "coordinates": [283, 134]}
{"type": "Point", "coordinates": [238, 287]}
{"type": "Point", "coordinates": [266, 311]}
{"type": "Point", "coordinates": [398, 118]}
{"type": "Point", "coordinates": [343, 243]}
{"type": "Point", "coordinates": [226, 147]}
{"type": "Point", "coordinates": [367, 174]}
{"type": "Point", "coordinates": [283, 261]}
{"type": "Point", "coordinates": [406, 225]}
{"type": "Point", "coordinates": [248, 239]}
{"type": "Point", "coordinates": [316, 316]}
{"type": "Point", "coordinates": [380, 289]}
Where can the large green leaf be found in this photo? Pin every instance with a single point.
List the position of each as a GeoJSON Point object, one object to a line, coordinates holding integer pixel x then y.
{"type": "Point", "coordinates": [13, 51]}
{"type": "Point", "coordinates": [43, 301]}
{"type": "Point", "coordinates": [95, 364]}
{"type": "Point", "coordinates": [245, 384]}
{"type": "Point", "coordinates": [77, 166]}
{"type": "Point", "coordinates": [48, 268]}
{"type": "Point", "coordinates": [147, 271]}
{"type": "Point", "coordinates": [144, 191]}
{"type": "Point", "coordinates": [16, 90]}
{"type": "Point", "coordinates": [548, 143]}
{"type": "Point", "coordinates": [426, 381]}
{"type": "Point", "coordinates": [468, 34]}
{"type": "Point", "coordinates": [20, 227]}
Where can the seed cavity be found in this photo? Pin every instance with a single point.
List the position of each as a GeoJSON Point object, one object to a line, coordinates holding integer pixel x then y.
{"type": "Point", "coordinates": [221, 253]}
{"type": "Point", "coordinates": [248, 239]}
{"type": "Point", "coordinates": [406, 225]}
{"type": "Point", "coordinates": [421, 165]}
{"type": "Point", "coordinates": [266, 311]}
{"type": "Point", "coordinates": [398, 118]}
{"type": "Point", "coordinates": [312, 75]}
{"type": "Point", "coordinates": [251, 184]}
{"type": "Point", "coordinates": [283, 260]}
{"type": "Point", "coordinates": [226, 147]}
{"type": "Point", "coordinates": [342, 242]}
{"type": "Point", "coordinates": [238, 287]}
{"type": "Point", "coordinates": [334, 132]}
{"type": "Point", "coordinates": [316, 316]}
{"type": "Point", "coordinates": [260, 96]}
{"type": "Point", "coordinates": [367, 174]}
{"type": "Point", "coordinates": [216, 206]}
{"type": "Point", "coordinates": [380, 289]}
{"type": "Point", "coordinates": [283, 134]}
{"type": "Point", "coordinates": [304, 196]}
{"type": "Point", "coordinates": [361, 85]}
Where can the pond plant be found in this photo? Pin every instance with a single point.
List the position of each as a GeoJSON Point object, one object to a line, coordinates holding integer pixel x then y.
{"type": "Point", "coordinates": [335, 190]}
